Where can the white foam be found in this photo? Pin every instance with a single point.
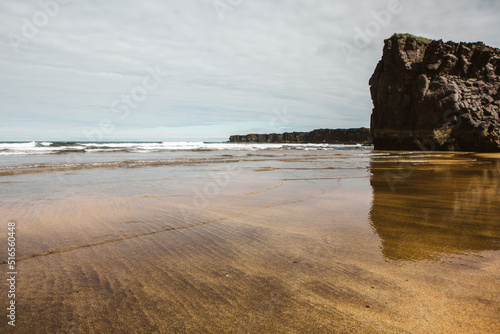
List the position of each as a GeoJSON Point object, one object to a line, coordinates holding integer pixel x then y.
{"type": "Point", "coordinates": [47, 148]}
{"type": "Point", "coordinates": [17, 146]}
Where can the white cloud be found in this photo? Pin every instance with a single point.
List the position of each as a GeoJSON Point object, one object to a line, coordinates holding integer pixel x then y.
{"type": "Point", "coordinates": [225, 76]}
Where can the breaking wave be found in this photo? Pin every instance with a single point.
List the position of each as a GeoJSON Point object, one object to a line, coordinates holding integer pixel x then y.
{"type": "Point", "coordinates": [46, 147]}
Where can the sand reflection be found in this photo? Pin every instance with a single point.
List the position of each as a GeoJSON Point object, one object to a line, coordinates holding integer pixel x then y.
{"type": "Point", "coordinates": [426, 206]}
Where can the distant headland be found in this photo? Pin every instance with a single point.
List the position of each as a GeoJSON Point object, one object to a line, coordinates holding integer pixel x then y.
{"type": "Point", "coordinates": [318, 136]}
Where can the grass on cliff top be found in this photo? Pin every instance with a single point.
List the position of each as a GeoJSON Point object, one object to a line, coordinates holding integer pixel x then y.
{"type": "Point", "coordinates": [420, 39]}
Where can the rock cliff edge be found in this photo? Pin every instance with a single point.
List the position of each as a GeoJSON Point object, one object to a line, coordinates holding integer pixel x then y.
{"type": "Point", "coordinates": [327, 136]}
{"type": "Point", "coordinates": [435, 95]}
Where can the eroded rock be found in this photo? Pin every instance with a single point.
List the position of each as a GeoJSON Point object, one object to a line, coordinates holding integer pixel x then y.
{"type": "Point", "coordinates": [435, 95]}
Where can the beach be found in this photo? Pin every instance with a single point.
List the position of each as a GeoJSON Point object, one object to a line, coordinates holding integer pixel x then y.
{"type": "Point", "coordinates": [252, 239]}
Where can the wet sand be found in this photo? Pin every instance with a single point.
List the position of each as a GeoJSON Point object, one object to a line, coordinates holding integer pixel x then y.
{"type": "Point", "coordinates": [300, 242]}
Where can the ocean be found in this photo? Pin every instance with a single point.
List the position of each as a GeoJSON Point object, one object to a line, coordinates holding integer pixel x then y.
{"type": "Point", "coordinates": [25, 157]}
{"type": "Point", "coordinates": [60, 147]}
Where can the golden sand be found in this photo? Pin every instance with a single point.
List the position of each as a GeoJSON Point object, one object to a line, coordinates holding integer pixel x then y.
{"type": "Point", "coordinates": [265, 247]}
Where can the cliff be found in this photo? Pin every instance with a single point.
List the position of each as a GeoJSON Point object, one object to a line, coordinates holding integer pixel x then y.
{"type": "Point", "coordinates": [435, 95]}
{"type": "Point", "coordinates": [327, 136]}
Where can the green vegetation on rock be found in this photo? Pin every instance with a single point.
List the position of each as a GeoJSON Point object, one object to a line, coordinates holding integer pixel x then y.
{"type": "Point", "coordinates": [420, 39]}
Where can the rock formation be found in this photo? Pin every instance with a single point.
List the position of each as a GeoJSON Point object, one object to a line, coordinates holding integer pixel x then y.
{"type": "Point", "coordinates": [327, 136]}
{"type": "Point", "coordinates": [432, 95]}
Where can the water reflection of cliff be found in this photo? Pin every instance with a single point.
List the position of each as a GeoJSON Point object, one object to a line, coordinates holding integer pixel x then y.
{"type": "Point", "coordinates": [422, 210]}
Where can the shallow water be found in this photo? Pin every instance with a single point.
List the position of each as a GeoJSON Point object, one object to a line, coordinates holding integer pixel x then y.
{"type": "Point", "coordinates": [442, 205]}
{"type": "Point", "coordinates": [269, 241]}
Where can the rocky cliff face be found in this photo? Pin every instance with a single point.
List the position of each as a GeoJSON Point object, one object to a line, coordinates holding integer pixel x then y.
{"type": "Point", "coordinates": [328, 136]}
{"type": "Point", "coordinates": [432, 95]}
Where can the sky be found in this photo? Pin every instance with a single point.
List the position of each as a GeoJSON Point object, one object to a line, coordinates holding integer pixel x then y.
{"type": "Point", "coordinates": [164, 70]}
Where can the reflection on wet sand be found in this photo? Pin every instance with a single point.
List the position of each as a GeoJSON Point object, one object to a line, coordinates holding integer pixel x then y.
{"type": "Point", "coordinates": [276, 245]}
{"type": "Point", "coordinates": [435, 205]}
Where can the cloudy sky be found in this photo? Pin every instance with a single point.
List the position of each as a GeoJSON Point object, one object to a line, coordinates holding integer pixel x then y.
{"type": "Point", "coordinates": [205, 69]}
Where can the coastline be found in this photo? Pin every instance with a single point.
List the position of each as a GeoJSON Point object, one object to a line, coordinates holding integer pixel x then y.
{"type": "Point", "coordinates": [327, 136]}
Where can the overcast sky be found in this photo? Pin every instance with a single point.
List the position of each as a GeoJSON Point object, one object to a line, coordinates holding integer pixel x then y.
{"type": "Point", "coordinates": [205, 69]}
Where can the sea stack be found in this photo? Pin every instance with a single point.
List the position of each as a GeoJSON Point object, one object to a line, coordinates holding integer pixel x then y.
{"type": "Point", "coordinates": [435, 95]}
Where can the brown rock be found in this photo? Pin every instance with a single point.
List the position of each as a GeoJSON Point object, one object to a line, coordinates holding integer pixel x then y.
{"type": "Point", "coordinates": [422, 89]}
{"type": "Point", "coordinates": [326, 136]}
